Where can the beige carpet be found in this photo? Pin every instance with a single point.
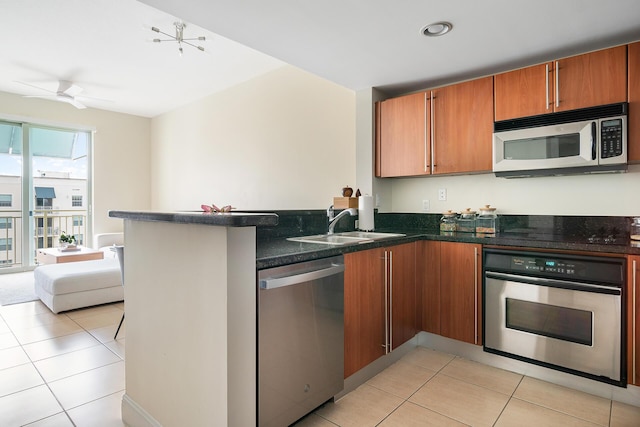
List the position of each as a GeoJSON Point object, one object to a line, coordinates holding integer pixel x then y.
{"type": "Point", "coordinates": [16, 288]}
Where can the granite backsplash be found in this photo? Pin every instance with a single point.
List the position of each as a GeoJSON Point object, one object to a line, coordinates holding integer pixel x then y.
{"type": "Point", "coordinates": [587, 228]}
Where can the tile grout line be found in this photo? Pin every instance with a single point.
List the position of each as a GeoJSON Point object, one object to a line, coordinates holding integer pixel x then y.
{"type": "Point", "coordinates": [44, 381]}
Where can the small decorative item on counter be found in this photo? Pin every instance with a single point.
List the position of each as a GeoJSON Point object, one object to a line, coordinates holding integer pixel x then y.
{"type": "Point", "coordinates": [487, 220]}
{"type": "Point", "coordinates": [466, 222]}
{"type": "Point", "coordinates": [448, 221]}
{"type": "Point", "coordinates": [635, 229]}
{"type": "Point", "coordinates": [68, 242]}
{"type": "Point", "coordinates": [347, 191]}
{"type": "Point", "coordinates": [358, 193]}
{"type": "Point", "coordinates": [214, 209]}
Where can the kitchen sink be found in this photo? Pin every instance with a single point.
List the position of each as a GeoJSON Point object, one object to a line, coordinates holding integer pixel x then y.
{"type": "Point", "coordinates": [370, 235]}
{"type": "Point", "coordinates": [346, 238]}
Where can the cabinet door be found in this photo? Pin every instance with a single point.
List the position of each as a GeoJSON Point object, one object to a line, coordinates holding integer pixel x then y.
{"type": "Point", "coordinates": [633, 125]}
{"type": "Point", "coordinates": [364, 309]}
{"type": "Point", "coordinates": [403, 136]}
{"type": "Point", "coordinates": [460, 302]}
{"type": "Point", "coordinates": [462, 120]}
{"type": "Point", "coordinates": [402, 291]}
{"type": "Point", "coordinates": [428, 277]}
{"type": "Point", "coordinates": [525, 92]}
{"type": "Point", "coordinates": [633, 320]}
{"type": "Point", "coordinates": [592, 79]}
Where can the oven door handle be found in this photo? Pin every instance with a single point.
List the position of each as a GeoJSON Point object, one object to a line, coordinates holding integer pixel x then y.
{"type": "Point", "coordinates": [554, 283]}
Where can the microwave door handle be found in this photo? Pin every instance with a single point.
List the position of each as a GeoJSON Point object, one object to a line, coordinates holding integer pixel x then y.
{"type": "Point", "coordinates": [593, 140]}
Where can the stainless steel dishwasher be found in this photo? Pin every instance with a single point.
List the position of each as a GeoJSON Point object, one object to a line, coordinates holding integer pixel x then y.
{"type": "Point", "coordinates": [300, 339]}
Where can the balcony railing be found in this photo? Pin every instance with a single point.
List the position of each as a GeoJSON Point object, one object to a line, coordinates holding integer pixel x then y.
{"type": "Point", "coordinates": [48, 225]}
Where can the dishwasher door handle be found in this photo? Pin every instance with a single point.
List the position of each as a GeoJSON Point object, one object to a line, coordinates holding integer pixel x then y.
{"type": "Point", "coordinates": [278, 282]}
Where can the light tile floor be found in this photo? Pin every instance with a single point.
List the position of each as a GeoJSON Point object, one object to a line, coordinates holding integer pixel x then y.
{"type": "Point", "coordinates": [429, 388]}
{"type": "Point", "coordinates": [66, 370]}
{"type": "Point", "coordinates": [60, 370]}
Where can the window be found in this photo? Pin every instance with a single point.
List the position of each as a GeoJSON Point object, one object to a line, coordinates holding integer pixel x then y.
{"type": "Point", "coordinates": [79, 238]}
{"type": "Point", "coordinates": [76, 201]}
{"type": "Point", "coordinates": [44, 203]}
{"type": "Point", "coordinates": [78, 220]}
{"type": "Point", "coordinates": [41, 242]}
{"type": "Point", "coordinates": [6, 261]}
{"type": "Point", "coordinates": [5, 200]}
{"type": "Point", "coordinates": [6, 244]}
{"type": "Point", "coordinates": [5, 223]}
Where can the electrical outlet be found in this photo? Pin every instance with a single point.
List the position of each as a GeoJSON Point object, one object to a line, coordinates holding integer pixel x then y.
{"type": "Point", "coordinates": [425, 206]}
{"type": "Point", "coordinates": [442, 194]}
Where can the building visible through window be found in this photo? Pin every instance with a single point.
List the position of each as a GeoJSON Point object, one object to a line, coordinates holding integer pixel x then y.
{"type": "Point", "coordinates": [6, 244]}
{"type": "Point", "coordinates": [5, 200]}
{"type": "Point", "coordinates": [76, 201]}
{"type": "Point", "coordinates": [5, 223]}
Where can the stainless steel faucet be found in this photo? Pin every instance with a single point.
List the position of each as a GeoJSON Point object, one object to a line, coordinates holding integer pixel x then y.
{"type": "Point", "coordinates": [334, 219]}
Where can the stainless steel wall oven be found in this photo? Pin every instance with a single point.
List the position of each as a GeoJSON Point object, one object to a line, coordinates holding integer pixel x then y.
{"type": "Point", "coordinates": [565, 312]}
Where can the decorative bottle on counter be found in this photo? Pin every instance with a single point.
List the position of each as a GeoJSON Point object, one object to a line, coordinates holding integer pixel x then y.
{"type": "Point", "coordinates": [487, 221]}
{"type": "Point", "coordinates": [635, 229]}
{"type": "Point", "coordinates": [466, 222]}
{"type": "Point", "coordinates": [448, 222]}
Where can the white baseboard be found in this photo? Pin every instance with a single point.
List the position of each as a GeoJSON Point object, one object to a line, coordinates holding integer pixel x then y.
{"type": "Point", "coordinates": [133, 415]}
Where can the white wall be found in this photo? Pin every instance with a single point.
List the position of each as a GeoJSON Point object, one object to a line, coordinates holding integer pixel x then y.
{"type": "Point", "coordinates": [284, 140]}
{"type": "Point", "coordinates": [598, 194]}
{"type": "Point", "coordinates": [121, 168]}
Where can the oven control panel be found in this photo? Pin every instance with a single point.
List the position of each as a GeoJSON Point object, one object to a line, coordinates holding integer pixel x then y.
{"type": "Point", "coordinates": [550, 265]}
{"type": "Point", "coordinates": [591, 269]}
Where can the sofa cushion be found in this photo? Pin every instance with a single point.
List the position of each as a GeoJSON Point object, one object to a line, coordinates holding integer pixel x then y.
{"type": "Point", "coordinates": [58, 279]}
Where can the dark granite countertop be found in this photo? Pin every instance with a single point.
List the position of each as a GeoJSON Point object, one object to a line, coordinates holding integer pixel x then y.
{"type": "Point", "coordinates": [228, 219]}
{"type": "Point", "coordinates": [279, 251]}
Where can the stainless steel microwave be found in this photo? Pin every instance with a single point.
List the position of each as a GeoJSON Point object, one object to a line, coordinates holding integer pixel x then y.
{"type": "Point", "coordinates": [590, 140]}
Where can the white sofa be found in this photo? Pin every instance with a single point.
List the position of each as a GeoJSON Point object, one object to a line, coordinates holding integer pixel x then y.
{"type": "Point", "coordinates": [72, 285]}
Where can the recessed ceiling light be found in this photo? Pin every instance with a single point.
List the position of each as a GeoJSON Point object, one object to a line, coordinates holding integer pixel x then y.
{"type": "Point", "coordinates": [436, 29]}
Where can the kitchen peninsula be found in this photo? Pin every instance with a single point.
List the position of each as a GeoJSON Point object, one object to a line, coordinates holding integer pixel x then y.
{"type": "Point", "coordinates": [191, 318]}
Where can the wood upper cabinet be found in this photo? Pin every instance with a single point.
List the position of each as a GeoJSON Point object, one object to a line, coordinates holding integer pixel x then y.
{"type": "Point", "coordinates": [581, 81]}
{"type": "Point", "coordinates": [364, 309]}
{"type": "Point", "coordinates": [633, 320]}
{"type": "Point", "coordinates": [402, 147]}
{"type": "Point", "coordinates": [379, 303]}
{"type": "Point", "coordinates": [462, 120]}
{"type": "Point", "coordinates": [450, 289]}
{"type": "Point", "coordinates": [633, 124]}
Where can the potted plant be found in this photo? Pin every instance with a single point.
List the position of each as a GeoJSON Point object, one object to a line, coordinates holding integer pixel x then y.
{"type": "Point", "coordinates": [67, 240]}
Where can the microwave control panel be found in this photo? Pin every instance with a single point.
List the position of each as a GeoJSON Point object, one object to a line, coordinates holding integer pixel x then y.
{"type": "Point", "coordinates": [610, 138]}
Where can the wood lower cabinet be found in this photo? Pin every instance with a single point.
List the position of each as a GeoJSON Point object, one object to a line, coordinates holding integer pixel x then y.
{"type": "Point", "coordinates": [633, 124]}
{"type": "Point", "coordinates": [451, 290]}
{"type": "Point", "coordinates": [633, 320]}
{"type": "Point", "coordinates": [588, 80]}
{"type": "Point", "coordinates": [379, 303]}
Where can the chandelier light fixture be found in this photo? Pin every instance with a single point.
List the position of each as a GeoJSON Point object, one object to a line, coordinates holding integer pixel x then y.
{"type": "Point", "coordinates": [179, 37]}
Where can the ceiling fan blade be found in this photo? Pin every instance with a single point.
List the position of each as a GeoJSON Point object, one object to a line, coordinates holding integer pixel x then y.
{"type": "Point", "coordinates": [36, 87]}
{"type": "Point", "coordinates": [53, 96]}
{"type": "Point", "coordinates": [70, 100]}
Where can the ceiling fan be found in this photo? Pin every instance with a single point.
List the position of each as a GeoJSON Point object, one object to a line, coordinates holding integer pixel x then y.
{"type": "Point", "coordinates": [67, 92]}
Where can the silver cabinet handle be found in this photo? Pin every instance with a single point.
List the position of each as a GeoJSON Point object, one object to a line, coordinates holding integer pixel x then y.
{"type": "Point", "coordinates": [390, 301]}
{"type": "Point", "coordinates": [557, 83]}
{"type": "Point", "coordinates": [278, 282]}
{"type": "Point", "coordinates": [426, 143]}
{"type": "Point", "coordinates": [475, 292]}
{"type": "Point", "coordinates": [546, 67]}
{"type": "Point", "coordinates": [635, 320]}
{"type": "Point", "coordinates": [433, 135]}
{"type": "Point", "coordinates": [386, 304]}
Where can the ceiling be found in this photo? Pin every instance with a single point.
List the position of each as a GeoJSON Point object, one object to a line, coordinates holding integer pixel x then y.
{"type": "Point", "coordinates": [104, 45]}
